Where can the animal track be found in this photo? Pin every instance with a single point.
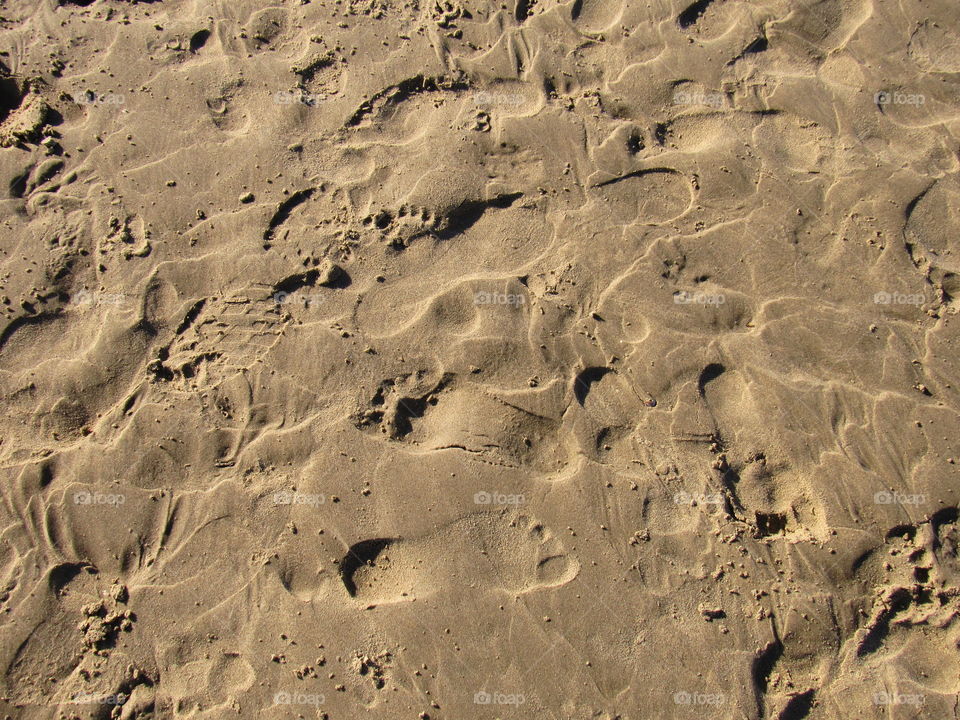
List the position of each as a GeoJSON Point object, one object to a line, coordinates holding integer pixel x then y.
{"type": "Point", "coordinates": [505, 551]}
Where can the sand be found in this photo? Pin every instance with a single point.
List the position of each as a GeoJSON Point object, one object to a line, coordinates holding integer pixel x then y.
{"type": "Point", "coordinates": [459, 359]}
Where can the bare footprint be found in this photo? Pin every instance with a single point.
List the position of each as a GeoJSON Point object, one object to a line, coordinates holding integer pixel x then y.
{"type": "Point", "coordinates": [505, 551]}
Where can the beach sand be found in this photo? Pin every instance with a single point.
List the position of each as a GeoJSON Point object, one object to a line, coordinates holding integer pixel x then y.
{"type": "Point", "coordinates": [460, 359]}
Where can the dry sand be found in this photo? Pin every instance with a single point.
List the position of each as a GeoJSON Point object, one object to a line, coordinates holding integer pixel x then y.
{"type": "Point", "coordinates": [460, 359]}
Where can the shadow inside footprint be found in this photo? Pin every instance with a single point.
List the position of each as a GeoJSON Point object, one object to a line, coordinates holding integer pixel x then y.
{"type": "Point", "coordinates": [359, 556]}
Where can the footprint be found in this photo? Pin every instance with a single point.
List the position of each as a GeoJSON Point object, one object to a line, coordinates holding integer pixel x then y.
{"type": "Point", "coordinates": [500, 551]}
{"type": "Point", "coordinates": [825, 24]}
{"type": "Point", "coordinates": [266, 28]}
{"type": "Point", "coordinates": [400, 401]}
{"type": "Point", "coordinates": [322, 210]}
{"type": "Point", "coordinates": [652, 196]}
{"type": "Point", "coordinates": [495, 430]}
{"type": "Point", "coordinates": [225, 108]}
{"type": "Point", "coordinates": [927, 243]}
{"type": "Point", "coordinates": [220, 337]}
{"type": "Point", "coordinates": [710, 19]}
{"type": "Point", "coordinates": [404, 226]}
{"type": "Point", "coordinates": [913, 575]}
{"type": "Point", "coordinates": [387, 102]}
{"type": "Point", "coordinates": [320, 71]}
{"type": "Point", "coordinates": [935, 48]}
{"type": "Point", "coordinates": [594, 16]}
{"type": "Point", "coordinates": [211, 681]}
